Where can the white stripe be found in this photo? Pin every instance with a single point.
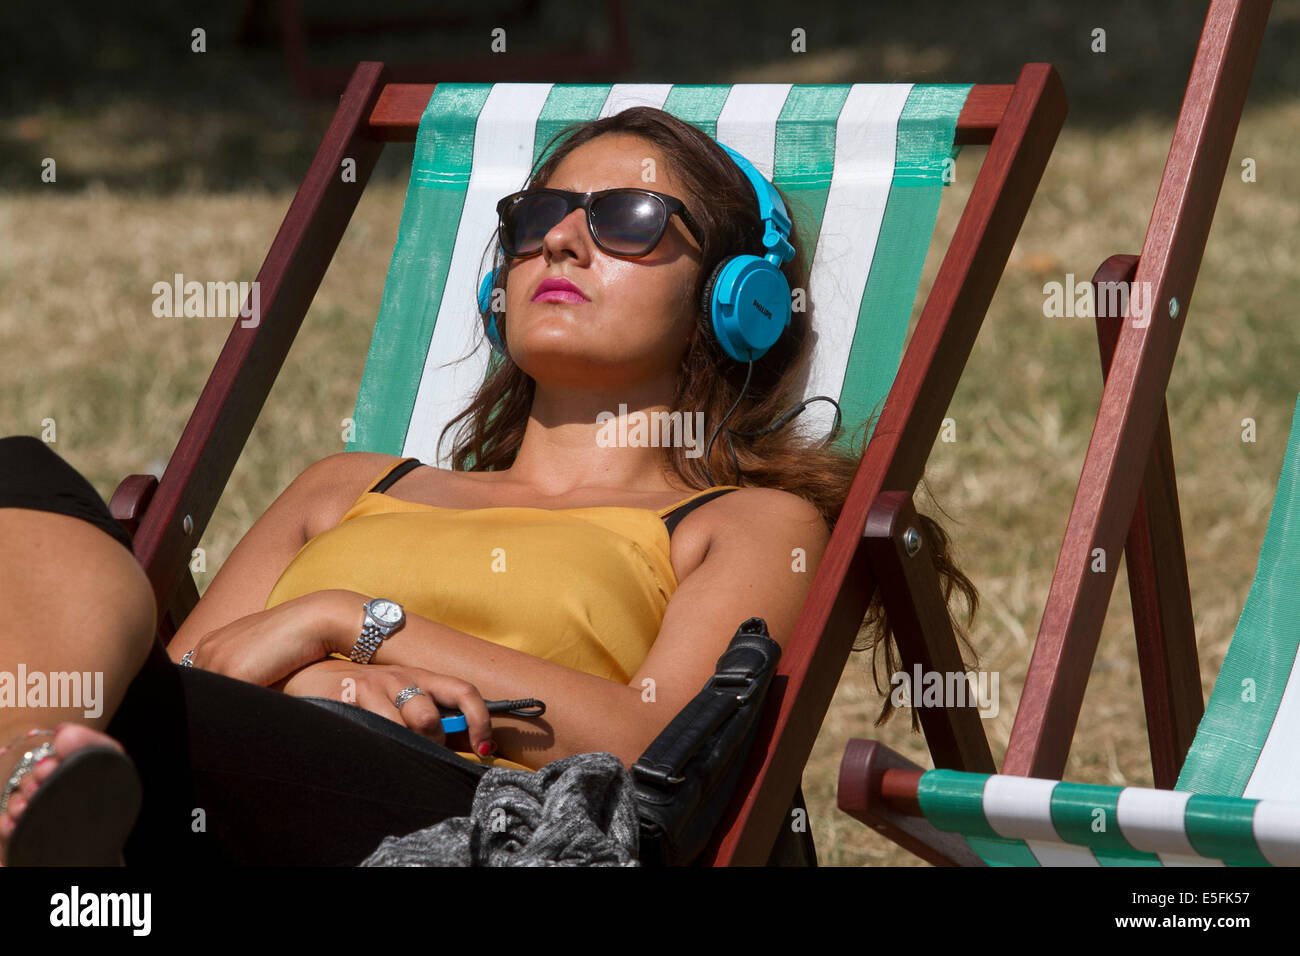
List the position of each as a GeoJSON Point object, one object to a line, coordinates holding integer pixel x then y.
{"type": "Point", "coordinates": [1154, 821]}
{"type": "Point", "coordinates": [866, 136]}
{"type": "Point", "coordinates": [1020, 808]}
{"type": "Point", "coordinates": [1277, 772]}
{"type": "Point", "coordinates": [1277, 831]}
{"type": "Point", "coordinates": [623, 96]}
{"type": "Point", "coordinates": [747, 122]}
{"type": "Point", "coordinates": [503, 156]}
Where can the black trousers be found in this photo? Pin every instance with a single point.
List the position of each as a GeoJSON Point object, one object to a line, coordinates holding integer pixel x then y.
{"type": "Point", "coordinates": [239, 774]}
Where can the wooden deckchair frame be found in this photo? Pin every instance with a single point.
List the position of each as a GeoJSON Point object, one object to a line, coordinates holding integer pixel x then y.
{"type": "Point", "coordinates": [1019, 123]}
{"type": "Point", "coordinates": [879, 787]}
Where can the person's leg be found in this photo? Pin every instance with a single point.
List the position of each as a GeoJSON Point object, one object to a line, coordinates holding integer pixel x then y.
{"type": "Point", "coordinates": [282, 782]}
{"type": "Point", "coordinates": [76, 602]}
{"type": "Point", "coordinates": [231, 772]}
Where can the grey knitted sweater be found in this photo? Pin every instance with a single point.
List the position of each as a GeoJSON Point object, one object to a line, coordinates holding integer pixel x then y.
{"type": "Point", "coordinates": [575, 811]}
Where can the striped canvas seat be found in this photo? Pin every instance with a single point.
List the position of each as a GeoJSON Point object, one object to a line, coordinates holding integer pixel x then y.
{"type": "Point", "coordinates": [1237, 800]}
{"type": "Point", "coordinates": [862, 165]}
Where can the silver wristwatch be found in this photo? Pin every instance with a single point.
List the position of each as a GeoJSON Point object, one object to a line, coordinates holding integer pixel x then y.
{"type": "Point", "coordinates": [383, 619]}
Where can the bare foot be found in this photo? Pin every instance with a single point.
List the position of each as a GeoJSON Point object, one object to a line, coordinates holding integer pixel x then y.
{"type": "Point", "coordinates": [68, 738]}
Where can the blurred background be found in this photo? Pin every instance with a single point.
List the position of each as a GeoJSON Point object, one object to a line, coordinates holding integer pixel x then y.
{"type": "Point", "coordinates": [174, 161]}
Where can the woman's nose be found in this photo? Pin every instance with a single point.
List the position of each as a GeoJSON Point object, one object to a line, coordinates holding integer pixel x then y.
{"type": "Point", "coordinates": [568, 237]}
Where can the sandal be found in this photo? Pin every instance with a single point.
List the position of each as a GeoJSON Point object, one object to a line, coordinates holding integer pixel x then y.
{"type": "Point", "coordinates": [81, 815]}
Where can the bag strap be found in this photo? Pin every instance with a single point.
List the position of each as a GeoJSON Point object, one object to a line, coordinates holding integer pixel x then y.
{"type": "Point", "coordinates": [743, 669]}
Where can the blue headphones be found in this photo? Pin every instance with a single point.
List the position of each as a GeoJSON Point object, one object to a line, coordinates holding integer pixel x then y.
{"type": "Point", "coordinates": [747, 297]}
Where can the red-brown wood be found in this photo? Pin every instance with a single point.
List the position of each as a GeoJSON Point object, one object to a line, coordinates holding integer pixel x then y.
{"type": "Point", "coordinates": [1157, 574]}
{"type": "Point", "coordinates": [982, 113]}
{"type": "Point", "coordinates": [906, 431]}
{"type": "Point", "coordinates": [131, 498]}
{"type": "Point", "coordinates": [922, 626]}
{"type": "Point", "coordinates": [246, 369]}
{"type": "Point", "coordinates": [1132, 396]}
{"type": "Point", "coordinates": [396, 117]}
{"type": "Point", "coordinates": [878, 787]}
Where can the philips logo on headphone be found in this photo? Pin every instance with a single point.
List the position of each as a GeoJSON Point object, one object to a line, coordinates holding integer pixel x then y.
{"type": "Point", "coordinates": [758, 305]}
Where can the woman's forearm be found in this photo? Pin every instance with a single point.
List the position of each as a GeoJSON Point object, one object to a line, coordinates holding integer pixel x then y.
{"type": "Point", "coordinates": [583, 713]}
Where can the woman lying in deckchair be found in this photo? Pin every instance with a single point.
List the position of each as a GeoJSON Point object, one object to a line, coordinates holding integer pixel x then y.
{"type": "Point", "coordinates": [556, 568]}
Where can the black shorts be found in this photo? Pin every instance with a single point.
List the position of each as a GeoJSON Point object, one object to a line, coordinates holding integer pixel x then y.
{"type": "Point", "coordinates": [239, 774]}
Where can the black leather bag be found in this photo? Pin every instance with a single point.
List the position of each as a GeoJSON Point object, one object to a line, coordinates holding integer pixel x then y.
{"type": "Point", "coordinates": [685, 779]}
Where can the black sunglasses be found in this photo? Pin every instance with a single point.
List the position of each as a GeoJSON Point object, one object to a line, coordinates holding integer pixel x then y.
{"type": "Point", "coordinates": [623, 222]}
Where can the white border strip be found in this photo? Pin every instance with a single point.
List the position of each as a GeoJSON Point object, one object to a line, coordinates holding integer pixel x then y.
{"type": "Point", "coordinates": [866, 138]}
{"type": "Point", "coordinates": [503, 156]}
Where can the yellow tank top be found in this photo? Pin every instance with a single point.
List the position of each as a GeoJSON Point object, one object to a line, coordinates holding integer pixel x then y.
{"type": "Point", "coordinates": [582, 587]}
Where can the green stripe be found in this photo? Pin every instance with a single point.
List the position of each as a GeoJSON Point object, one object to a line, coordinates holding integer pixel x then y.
{"type": "Point", "coordinates": [1222, 829]}
{"type": "Point", "coordinates": [1086, 814]}
{"type": "Point", "coordinates": [440, 173]}
{"type": "Point", "coordinates": [805, 156]}
{"type": "Point", "coordinates": [1255, 671]}
{"type": "Point", "coordinates": [698, 105]}
{"type": "Point", "coordinates": [953, 801]}
{"type": "Point", "coordinates": [925, 139]}
{"type": "Point", "coordinates": [567, 104]}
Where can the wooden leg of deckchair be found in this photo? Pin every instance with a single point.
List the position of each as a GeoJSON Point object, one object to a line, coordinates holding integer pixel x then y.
{"type": "Point", "coordinates": [1132, 399]}
{"type": "Point", "coordinates": [1161, 597]}
{"type": "Point", "coordinates": [859, 794]}
{"type": "Point", "coordinates": [918, 615]}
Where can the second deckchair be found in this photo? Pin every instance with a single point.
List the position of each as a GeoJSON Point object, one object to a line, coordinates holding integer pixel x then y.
{"type": "Point", "coordinates": [1237, 800]}
{"type": "Point", "coordinates": [1127, 481]}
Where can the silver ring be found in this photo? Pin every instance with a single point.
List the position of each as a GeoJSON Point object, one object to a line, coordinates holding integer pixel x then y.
{"type": "Point", "coordinates": [188, 659]}
{"type": "Point", "coordinates": [24, 766]}
{"type": "Point", "coordinates": [406, 694]}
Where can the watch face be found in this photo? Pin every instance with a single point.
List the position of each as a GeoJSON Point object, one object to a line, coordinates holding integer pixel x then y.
{"type": "Point", "coordinates": [386, 612]}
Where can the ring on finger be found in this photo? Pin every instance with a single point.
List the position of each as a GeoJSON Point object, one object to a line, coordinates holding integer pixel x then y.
{"type": "Point", "coordinates": [406, 694]}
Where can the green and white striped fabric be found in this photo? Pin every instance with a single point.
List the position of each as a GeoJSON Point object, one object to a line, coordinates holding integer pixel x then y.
{"type": "Point", "coordinates": [862, 165]}
{"type": "Point", "coordinates": [1237, 801]}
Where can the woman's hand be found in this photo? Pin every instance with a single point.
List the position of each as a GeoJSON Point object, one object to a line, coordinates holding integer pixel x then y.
{"type": "Point", "coordinates": [375, 687]}
{"type": "Point", "coordinates": [265, 647]}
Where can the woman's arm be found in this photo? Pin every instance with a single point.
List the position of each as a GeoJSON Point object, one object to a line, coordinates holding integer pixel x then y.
{"type": "Point", "coordinates": [760, 562]}
{"type": "Point", "coordinates": [315, 500]}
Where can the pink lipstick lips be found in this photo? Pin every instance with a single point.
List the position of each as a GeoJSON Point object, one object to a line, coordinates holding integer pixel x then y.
{"type": "Point", "coordinates": [559, 290]}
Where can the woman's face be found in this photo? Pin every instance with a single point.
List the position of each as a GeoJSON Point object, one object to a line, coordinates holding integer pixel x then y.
{"type": "Point", "coordinates": [636, 316]}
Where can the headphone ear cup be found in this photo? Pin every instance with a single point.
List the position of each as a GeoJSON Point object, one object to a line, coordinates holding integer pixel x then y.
{"type": "Point", "coordinates": [486, 293]}
{"type": "Point", "coordinates": [706, 297]}
{"type": "Point", "coordinates": [749, 303]}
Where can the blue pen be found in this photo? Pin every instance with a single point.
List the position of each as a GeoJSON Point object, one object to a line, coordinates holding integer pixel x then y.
{"type": "Point", "coordinates": [530, 707]}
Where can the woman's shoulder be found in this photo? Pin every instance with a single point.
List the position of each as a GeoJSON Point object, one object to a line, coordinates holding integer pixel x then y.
{"type": "Point", "coordinates": [772, 502]}
{"type": "Point", "coordinates": [743, 519]}
{"type": "Point", "coordinates": [329, 487]}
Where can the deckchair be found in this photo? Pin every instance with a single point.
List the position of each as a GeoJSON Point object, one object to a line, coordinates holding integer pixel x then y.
{"type": "Point", "coordinates": [1127, 478]}
{"type": "Point", "coordinates": [863, 158]}
{"type": "Point", "coordinates": [1236, 802]}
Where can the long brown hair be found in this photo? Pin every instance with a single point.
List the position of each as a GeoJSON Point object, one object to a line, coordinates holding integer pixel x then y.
{"type": "Point", "coordinates": [723, 203]}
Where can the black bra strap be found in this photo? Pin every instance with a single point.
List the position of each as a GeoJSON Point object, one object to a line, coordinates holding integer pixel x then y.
{"type": "Point", "coordinates": [387, 481]}
{"type": "Point", "coordinates": [673, 517]}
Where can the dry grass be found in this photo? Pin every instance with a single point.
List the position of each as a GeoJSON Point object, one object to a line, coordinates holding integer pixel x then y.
{"type": "Point", "coordinates": [82, 347]}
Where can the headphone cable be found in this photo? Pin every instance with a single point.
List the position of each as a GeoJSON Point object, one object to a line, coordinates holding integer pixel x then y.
{"type": "Point", "coordinates": [781, 422]}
